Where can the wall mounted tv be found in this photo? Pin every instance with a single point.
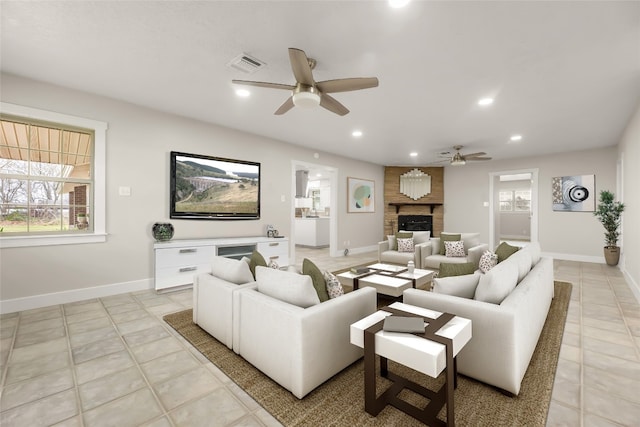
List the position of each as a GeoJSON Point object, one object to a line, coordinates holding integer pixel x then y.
{"type": "Point", "coordinates": [206, 187]}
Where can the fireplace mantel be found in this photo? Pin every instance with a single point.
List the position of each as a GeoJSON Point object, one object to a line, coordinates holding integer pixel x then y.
{"type": "Point", "coordinates": [399, 205]}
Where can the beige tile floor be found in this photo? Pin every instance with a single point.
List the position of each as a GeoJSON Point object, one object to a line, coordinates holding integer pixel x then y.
{"type": "Point", "coordinates": [113, 361]}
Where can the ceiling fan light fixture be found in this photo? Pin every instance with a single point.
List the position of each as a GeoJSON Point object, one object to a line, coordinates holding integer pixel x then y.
{"type": "Point", "coordinates": [458, 160]}
{"type": "Point", "coordinates": [306, 99]}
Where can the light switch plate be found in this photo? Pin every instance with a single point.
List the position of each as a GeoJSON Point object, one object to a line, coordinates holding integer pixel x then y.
{"type": "Point", "coordinates": [124, 191]}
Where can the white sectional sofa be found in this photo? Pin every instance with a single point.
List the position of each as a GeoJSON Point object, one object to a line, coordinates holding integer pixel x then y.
{"type": "Point", "coordinates": [506, 330]}
{"type": "Point", "coordinates": [278, 324]}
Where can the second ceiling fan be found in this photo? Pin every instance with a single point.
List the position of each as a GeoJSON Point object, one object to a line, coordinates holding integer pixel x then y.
{"type": "Point", "coordinates": [308, 92]}
{"type": "Point", "coordinates": [459, 159]}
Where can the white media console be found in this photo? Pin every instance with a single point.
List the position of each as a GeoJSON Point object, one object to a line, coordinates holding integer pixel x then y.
{"type": "Point", "coordinates": [176, 262]}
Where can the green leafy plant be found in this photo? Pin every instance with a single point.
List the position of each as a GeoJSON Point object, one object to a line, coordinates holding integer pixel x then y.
{"type": "Point", "coordinates": [609, 212]}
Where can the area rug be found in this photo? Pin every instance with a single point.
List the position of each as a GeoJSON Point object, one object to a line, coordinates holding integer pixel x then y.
{"type": "Point", "coordinates": [340, 400]}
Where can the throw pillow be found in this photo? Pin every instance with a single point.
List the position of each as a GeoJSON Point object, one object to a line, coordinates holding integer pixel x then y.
{"type": "Point", "coordinates": [292, 288]}
{"type": "Point", "coordinates": [273, 264]}
{"type": "Point", "coordinates": [454, 249]}
{"type": "Point", "coordinates": [488, 260]}
{"type": "Point", "coordinates": [310, 269]}
{"type": "Point", "coordinates": [505, 250]}
{"type": "Point", "coordinates": [421, 237]}
{"type": "Point", "coordinates": [401, 235]}
{"type": "Point", "coordinates": [255, 260]}
{"type": "Point", "coordinates": [444, 237]}
{"type": "Point", "coordinates": [392, 241]}
{"type": "Point", "coordinates": [448, 269]}
{"type": "Point", "coordinates": [460, 286]}
{"type": "Point", "coordinates": [405, 245]}
{"type": "Point", "coordinates": [231, 270]}
{"type": "Point", "coordinates": [334, 287]}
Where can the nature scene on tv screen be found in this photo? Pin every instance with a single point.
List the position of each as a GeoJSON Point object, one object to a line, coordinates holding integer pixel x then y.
{"type": "Point", "coordinates": [206, 186]}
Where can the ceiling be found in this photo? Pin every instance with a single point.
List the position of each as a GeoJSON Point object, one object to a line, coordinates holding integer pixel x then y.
{"type": "Point", "coordinates": [564, 75]}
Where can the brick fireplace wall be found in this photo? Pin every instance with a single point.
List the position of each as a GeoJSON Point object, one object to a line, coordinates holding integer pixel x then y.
{"type": "Point", "coordinates": [408, 206]}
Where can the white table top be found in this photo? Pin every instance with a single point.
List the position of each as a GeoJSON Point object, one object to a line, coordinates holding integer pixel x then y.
{"type": "Point", "coordinates": [410, 350]}
{"type": "Point", "coordinates": [417, 272]}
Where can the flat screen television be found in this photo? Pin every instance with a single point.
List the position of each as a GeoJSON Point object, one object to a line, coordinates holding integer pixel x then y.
{"type": "Point", "coordinates": [206, 187]}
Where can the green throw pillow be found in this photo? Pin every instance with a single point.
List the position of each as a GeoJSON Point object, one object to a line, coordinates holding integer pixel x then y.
{"type": "Point", "coordinates": [310, 269]}
{"type": "Point", "coordinates": [447, 238]}
{"type": "Point", "coordinates": [505, 250]}
{"type": "Point", "coordinates": [256, 260]}
{"type": "Point", "coordinates": [448, 269]}
{"type": "Point", "coordinates": [401, 235]}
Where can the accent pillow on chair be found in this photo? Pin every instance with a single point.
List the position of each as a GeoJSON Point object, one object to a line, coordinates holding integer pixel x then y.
{"type": "Point", "coordinates": [405, 245]}
{"type": "Point", "coordinates": [444, 237]}
{"type": "Point", "coordinates": [454, 249]}
{"type": "Point", "coordinates": [399, 235]}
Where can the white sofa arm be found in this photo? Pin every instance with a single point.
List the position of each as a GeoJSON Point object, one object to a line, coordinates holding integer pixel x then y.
{"type": "Point", "coordinates": [475, 253]}
{"type": "Point", "coordinates": [382, 246]}
{"type": "Point", "coordinates": [420, 250]}
{"type": "Point", "coordinates": [299, 348]}
{"type": "Point", "coordinates": [213, 306]}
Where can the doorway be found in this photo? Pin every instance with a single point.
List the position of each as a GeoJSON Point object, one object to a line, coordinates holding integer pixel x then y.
{"type": "Point", "coordinates": [513, 207]}
{"type": "Point", "coordinates": [313, 211]}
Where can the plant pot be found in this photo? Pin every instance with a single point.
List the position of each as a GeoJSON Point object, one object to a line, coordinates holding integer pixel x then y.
{"type": "Point", "coordinates": [612, 255]}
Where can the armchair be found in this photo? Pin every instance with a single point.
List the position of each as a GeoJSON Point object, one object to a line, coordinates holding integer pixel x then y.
{"type": "Point", "coordinates": [431, 257]}
{"type": "Point", "coordinates": [388, 255]}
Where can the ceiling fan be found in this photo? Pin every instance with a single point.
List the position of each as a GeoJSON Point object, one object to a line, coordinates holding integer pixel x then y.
{"type": "Point", "coordinates": [309, 93]}
{"type": "Point", "coordinates": [459, 159]}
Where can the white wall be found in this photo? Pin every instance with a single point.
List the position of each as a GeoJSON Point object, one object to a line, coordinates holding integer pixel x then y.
{"type": "Point", "coordinates": [629, 158]}
{"type": "Point", "coordinates": [566, 235]}
{"type": "Point", "coordinates": [138, 144]}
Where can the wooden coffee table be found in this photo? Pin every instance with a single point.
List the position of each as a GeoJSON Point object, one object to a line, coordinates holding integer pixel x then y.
{"type": "Point", "coordinates": [429, 353]}
{"type": "Point", "coordinates": [387, 279]}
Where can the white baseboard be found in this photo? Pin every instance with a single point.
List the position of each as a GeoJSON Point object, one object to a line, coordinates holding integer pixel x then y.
{"type": "Point", "coordinates": [573, 257]}
{"type": "Point", "coordinates": [633, 285]}
{"type": "Point", "coordinates": [55, 298]}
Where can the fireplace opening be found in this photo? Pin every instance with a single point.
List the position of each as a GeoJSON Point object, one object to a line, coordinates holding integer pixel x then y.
{"type": "Point", "coordinates": [415, 223]}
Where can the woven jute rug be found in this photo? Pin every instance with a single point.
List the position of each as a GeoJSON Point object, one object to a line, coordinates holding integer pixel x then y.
{"type": "Point", "coordinates": [340, 400]}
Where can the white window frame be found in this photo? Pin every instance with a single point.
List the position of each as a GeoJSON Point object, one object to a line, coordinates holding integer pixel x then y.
{"type": "Point", "coordinates": [99, 233]}
{"type": "Point", "coordinates": [515, 201]}
{"type": "Point", "coordinates": [500, 201]}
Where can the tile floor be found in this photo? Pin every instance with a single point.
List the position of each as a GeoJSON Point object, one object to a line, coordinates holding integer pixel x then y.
{"type": "Point", "coordinates": [113, 361]}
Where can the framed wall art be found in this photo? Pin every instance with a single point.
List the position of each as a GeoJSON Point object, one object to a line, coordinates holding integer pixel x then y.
{"type": "Point", "coordinates": [574, 193]}
{"type": "Point", "coordinates": [360, 195]}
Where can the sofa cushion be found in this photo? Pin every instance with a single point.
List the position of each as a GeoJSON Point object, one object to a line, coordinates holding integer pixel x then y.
{"type": "Point", "coordinates": [504, 251]}
{"type": "Point", "coordinates": [292, 288]}
{"type": "Point", "coordinates": [334, 287]}
{"type": "Point", "coordinates": [454, 249]}
{"type": "Point", "coordinates": [470, 240]}
{"type": "Point", "coordinates": [448, 269]}
{"type": "Point", "coordinates": [310, 269]}
{"type": "Point", "coordinates": [255, 260]}
{"type": "Point", "coordinates": [522, 259]}
{"type": "Point", "coordinates": [405, 245]}
{"type": "Point", "coordinates": [497, 283]}
{"type": "Point", "coordinates": [461, 286]}
{"type": "Point", "coordinates": [392, 241]}
{"type": "Point", "coordinates": [447, 237]}
{"type": "Point", "coordinates": [488, 260]}
{"type": "Point", "coordinates": [231, 270]}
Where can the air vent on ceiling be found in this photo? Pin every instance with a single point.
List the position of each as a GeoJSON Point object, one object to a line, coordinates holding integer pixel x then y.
{"type": "Point", "coordinates": [246, 64]}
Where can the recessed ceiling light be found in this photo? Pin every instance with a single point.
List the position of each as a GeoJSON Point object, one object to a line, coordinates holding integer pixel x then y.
{"type": "Point", "coordinates": [243, 93]}
{"type": "Point", "coordinates": [485, 101]}
{"type": "Point", "coordinates": [516, 138]}
{"type": "Point", "coordinates": [397, 4]}
{"type": "Point", "coordinates": [357, 133]}
{"type": "Point", "coordinates": [413, 154]}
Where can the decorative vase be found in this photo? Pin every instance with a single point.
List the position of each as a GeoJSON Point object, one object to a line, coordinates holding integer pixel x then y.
{"type": "Point", "coordinates": [612, 255]}
{"type": "Point", "coordinates": [162, 231]}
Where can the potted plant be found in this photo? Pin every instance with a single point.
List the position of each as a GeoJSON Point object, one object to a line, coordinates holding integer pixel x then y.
{"type": "Point", "coordinates": [609, 213]}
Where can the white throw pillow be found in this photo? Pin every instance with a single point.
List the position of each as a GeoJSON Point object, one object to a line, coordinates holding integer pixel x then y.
{"type": "Point", "coordinates": [292, 288]}
{"type": "Point", "coordinates": [334, 288]}
{"type": "Point", "coordinates": [392, 241]}
{"type": "Point", "coordinates": [231, 270]}
{"type": "Point", "coordinates": [406, 245]}
{"type": "Point", "coordinates": [461, 286]}
{"type": "Point", "coordinates": [488, 260]}
{"type": "Point", "coordinates": [454, 248]}
{"type": "Point", "coordinates": [497, 283]}
{"type": "Point", "coordinates": [522, 259]}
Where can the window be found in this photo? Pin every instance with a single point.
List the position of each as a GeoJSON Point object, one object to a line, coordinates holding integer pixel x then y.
{"type": "Point", "coordinates": [51, 178]}
{"type": "Point", "coordinates": [515, 201]}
